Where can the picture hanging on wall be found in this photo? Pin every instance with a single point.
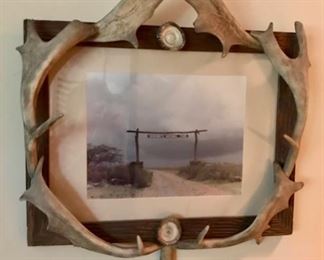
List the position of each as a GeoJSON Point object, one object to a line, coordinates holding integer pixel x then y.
{"type": "Point", "coordinates": [214, 130]}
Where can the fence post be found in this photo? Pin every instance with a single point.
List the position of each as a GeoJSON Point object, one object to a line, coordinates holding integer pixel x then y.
{"type": "Point", "coordinates": [196, 145]}
{"type": "Point", "coordinates": [136, 144]}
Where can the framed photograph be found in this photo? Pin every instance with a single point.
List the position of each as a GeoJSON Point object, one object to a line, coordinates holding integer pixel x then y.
{"type": "Point", "coordinates": [172, 156]}
{"type": "Point", "coordinates": [149, 133]}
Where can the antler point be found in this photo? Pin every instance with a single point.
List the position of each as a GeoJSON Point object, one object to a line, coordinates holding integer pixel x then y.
{"type": "Point", "coordinates": [140, 244]}
{"type": "Point", "coordinates": [202, 234]}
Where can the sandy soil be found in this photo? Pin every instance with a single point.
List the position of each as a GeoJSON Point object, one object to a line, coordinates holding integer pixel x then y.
{"type": "Point", "coordinates": [164, 183]}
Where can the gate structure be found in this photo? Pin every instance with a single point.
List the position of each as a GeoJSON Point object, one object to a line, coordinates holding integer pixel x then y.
{"type": "Point", "coordinates": [175, 134]}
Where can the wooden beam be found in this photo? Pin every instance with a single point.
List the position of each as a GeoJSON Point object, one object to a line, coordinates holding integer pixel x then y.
{"type": "Point", "coordinates": [167, 132]}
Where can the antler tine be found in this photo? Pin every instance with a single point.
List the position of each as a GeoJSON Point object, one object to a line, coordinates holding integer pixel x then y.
{"type": "Point", "coordinates": [32, 37]}
{"type": "Point", "coordinates": [202, 235]}
{"type": "Point", "coordinates": [39, 131]}
{"type": "Point", "coordinates": [302, 42]}
{"type": "Point", "coordinates": [291, 141]}
{"type": "Point", "coordinates": [140, 244]}
{"type": "Point", "coordinates": [30, 140]}
{"type": "Point", "coordinates": [215, 18]}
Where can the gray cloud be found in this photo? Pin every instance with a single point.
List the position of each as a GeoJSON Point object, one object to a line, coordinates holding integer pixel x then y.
{"type": "Point", "coordinates": [117, 102]}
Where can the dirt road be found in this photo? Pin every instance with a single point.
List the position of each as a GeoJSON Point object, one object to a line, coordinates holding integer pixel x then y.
{"type": "Point", "coordinates": [164, 183]}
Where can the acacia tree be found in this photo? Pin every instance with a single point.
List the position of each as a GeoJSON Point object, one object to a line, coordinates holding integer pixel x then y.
{"type": "Point", "coordinates": [99, 159]}
{"type": "Point", "coordinates": [104, 153]}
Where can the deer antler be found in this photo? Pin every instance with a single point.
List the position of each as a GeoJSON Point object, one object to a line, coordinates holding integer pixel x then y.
{"type": "Point", "coordinates": [38, 58]}
{"type": "Point", "coordinates": [215, 18]}
{"type": "Point", "coordinates": [123, 21]}
{"type": "Point", "coordinates": [61, 221]}
{"type": "Point", "coordinates": [285, 188]}
{"type": "Point", "coordinates": [295, 72]}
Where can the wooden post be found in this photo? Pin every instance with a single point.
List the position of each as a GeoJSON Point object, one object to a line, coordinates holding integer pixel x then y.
{"type": "Point", "coordinates": [196, 145]}
{"type": "Point", "coordinates": [136, 144]}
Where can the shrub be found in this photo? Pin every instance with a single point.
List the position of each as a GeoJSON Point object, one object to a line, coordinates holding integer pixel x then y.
{"type": "Point", "coordinates": [201, 171]}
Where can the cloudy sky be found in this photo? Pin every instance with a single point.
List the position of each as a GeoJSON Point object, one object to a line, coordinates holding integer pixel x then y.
{"type": "Point", "coordinates": [156, 102]}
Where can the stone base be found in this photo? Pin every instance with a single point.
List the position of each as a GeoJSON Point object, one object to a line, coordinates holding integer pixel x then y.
{"type": "Point", "coordinates": [140, 177]}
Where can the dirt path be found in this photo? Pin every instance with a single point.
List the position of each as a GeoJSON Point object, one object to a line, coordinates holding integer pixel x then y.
{"type": "Point", "coordinates": [169, 184]}
{"type": "Point", "coordinates": [164, 183]}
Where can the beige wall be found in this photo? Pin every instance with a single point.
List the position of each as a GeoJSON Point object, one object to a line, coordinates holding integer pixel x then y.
{"type": "Point", "coordinates": [307, 240]}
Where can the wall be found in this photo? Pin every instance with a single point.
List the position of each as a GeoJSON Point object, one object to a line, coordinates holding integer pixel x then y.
{"type": "Point", "coordinates": [307, 240]}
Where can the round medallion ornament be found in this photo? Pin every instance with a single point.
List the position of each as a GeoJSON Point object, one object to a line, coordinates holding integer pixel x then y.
{"type": "Point", "coordinates": [169, 232]}
{"type": "Point", "coordinates": [171, 37]}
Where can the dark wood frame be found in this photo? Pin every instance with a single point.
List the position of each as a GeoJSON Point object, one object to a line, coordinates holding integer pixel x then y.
{"type": "Point", "coordinates": [126, 231]}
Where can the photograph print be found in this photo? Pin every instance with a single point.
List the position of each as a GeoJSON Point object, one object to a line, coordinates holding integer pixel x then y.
{"type": "Point", "coordinates": [160, 135]}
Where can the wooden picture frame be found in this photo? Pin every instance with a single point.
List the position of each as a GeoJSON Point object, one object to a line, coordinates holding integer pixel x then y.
{"type": "Point", "coordinates": [126, 231]}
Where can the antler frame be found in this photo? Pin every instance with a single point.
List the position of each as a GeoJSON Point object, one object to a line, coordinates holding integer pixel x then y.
{"type": "Point", "coordinates": [121, 24]}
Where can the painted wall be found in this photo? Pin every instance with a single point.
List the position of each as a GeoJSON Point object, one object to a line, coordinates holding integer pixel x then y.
{"type": "Point", "coordinates": [306, 242]}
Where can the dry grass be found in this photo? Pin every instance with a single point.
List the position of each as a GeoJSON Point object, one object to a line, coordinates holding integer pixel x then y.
{"type": "Point", "coordinates": [212, 172]}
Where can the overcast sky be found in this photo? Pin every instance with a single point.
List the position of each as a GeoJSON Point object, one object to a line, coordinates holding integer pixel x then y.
{"type": "Point", "coordinates": [156, 102]}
